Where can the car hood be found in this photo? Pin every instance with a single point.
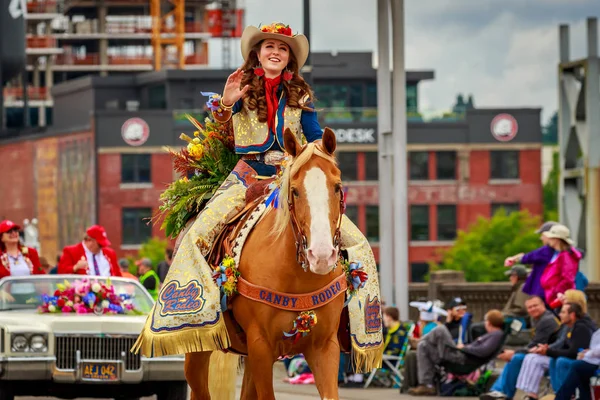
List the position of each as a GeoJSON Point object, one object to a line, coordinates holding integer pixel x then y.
{"type": "Point", "coordinates": [31, 320]}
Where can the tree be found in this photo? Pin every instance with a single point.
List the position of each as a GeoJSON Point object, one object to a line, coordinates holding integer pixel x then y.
{"type": "Point", "coordinates": [551, 191]}
{"type": "Point", "coordinates": [154, 249]}
{"type": "Point", "coordinates": [481, 250]}
{"type": "Point", "coordinates": [550, 130]}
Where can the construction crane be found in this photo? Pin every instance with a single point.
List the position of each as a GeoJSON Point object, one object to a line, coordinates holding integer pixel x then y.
{"type": "Point", "coordinates": [168, 28]}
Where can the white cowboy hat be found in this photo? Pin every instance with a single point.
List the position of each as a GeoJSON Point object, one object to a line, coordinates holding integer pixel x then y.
{"type": "Point", "coordinates": [298, 43]}
{"type": "Point", "coordinates": [559, 231]}
{"type": "Point", "coordinates": [428, 309]}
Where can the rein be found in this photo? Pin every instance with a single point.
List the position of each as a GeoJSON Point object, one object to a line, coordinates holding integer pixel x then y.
{"type": "Point", "coordinates": [300, 236]}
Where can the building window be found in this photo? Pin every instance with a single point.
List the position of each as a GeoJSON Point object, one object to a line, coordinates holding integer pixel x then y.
{"type": "Point", "coordinates": [412, 102]}
{"type": "Point", "coordinates": [135, 168]}
{"type": "Point", "coordinates": [352, 214]}
{"type": "Point", "coordinates": [419, 223]}
{"type": "Point", "coordinates": [446, 165]}
{"type": "Point", "coordinates": [347, 165]}
{"type": "Point", "coordinates": [446, 222]}
{"type": "Point", "coordinates": [419, 165]}
{"type": "Point", "coordinates": [136, 225]}
{"type": "Point", "coordinates": [371, 166]}
{"type": "Point", "coordinates": [504, 164]}
{"type": "Point", "coordinates": [508, 208]}
{"type": "Point", "coordinates": [157, 97]}
{"type": "Point", "coordinates": [373, 223]}
{"type": "Point", "coordinates": [418, 272]}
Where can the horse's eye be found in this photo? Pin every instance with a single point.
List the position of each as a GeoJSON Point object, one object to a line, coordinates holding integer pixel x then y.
{"type": "Point", "coordinates": [338, 187]}
{"type": "Point", "coordinates": [295, 192]}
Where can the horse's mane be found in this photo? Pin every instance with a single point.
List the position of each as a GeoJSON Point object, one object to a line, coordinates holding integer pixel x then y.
{"type": "Point", "coordinates": [282, 217]}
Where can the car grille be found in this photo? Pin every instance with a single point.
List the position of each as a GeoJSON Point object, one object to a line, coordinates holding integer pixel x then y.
{"type": "Point", "coordinates": [95, 348]}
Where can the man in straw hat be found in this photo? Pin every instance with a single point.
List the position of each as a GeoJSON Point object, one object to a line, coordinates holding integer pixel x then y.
{"type": "Point", "coordinates": [262, 98]}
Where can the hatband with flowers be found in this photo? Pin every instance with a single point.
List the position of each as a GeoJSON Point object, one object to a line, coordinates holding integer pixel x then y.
{"type": "Point", "coordinates": [276, 27]}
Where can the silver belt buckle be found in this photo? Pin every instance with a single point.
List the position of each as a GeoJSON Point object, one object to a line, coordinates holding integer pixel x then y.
{"type": "Point", "coordinates": [274, 157]}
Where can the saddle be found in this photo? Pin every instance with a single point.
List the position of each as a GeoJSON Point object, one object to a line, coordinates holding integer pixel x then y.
{"type": "Point", "coordinates": [255, 195]}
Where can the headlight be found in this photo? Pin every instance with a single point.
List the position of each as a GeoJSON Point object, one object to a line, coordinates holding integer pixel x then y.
{"type": "Point", "coordinates": [29, 343]}
{"type": "Point", "coordinates": [38, 343]}
{"type": "Point", "coordinates": [20, 343]}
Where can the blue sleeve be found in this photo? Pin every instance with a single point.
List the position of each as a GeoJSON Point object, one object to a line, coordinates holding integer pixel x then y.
{"type": "Point", "coordinates": [310, 125]}
{"type": "Point", "coordinates": [543, 255]}
{"type": "Point", "coordinates": [237, 107]}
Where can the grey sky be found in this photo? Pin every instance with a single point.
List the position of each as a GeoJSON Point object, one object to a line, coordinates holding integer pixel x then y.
{"type": "Point", "coordinates": [505, 53]}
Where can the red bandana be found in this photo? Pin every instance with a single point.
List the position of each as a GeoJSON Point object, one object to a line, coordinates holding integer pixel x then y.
{"type": "Point", "coordinates": [271, 86]}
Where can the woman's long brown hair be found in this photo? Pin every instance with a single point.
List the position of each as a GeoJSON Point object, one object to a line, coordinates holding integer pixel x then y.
{"type": "Point", "coordinates": [294, 90]}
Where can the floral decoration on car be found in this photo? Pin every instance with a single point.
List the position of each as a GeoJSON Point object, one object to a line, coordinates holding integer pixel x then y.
{"type": "Point", "coordinates": [87, 297]}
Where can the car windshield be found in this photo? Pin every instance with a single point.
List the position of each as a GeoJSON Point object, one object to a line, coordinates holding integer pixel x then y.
{"type": "Point", "coordinates": [30, 292]}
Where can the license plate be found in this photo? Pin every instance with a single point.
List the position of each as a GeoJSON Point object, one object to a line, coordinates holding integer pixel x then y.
{"type": "Point", "coordinates": [99, 372]}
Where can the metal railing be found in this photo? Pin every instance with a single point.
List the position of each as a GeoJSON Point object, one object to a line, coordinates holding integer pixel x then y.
{"type": "Point", "coordinates": [344, 115]}
{"type": "Point", "coordinates": [43, 7]}
{"type": "Point", "coordinates": [341, 115]}
{"type": "Point", "coordinates": [34, 93]}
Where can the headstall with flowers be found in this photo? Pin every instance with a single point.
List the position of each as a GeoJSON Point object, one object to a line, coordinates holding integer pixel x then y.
{"type": "Point", "coordinates": [87, 297]}
{"type": "Point", "coordinates": [25, 252]}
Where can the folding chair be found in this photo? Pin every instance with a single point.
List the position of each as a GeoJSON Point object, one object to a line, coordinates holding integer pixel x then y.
{"type": "Point", "coordinates": [394, 363]}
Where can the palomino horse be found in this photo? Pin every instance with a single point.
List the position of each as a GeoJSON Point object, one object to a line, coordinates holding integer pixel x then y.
{"type": "Point", "coordinates": [311, 194]}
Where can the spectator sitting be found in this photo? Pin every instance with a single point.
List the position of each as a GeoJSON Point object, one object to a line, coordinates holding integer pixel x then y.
{"type": "Point", "coordinates": [515, 306]}
{"type": "Point", "coordinates": [163, 266]}
{"type": "Point", "coordinates": [438, 346]}
{"type": "Point", "coordinates": [428, 315]}
{"type": "Point", "coordinates": [124, 264]}
{"type": "Point", "coordinates": [545, 326]}
{"type": "Point", "coordinates": [458, 321]}
{"type": "Point", "coordinates": [538, 361]}
{"type": "Point", "coordinates": [538, 258]}
{"type": "Point", "coordinates": [581, 371]}
{"type": "Point", "coordinates": [395, 338]}
{"type": "Point", "coordinates": [148, 278]}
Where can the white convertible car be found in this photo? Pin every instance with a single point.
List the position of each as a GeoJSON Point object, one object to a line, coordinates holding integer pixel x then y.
{"type": "Point", "coordinates": [49, 350]}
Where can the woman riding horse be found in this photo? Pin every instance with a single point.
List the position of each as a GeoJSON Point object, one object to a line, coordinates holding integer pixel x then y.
{"type": "Point", "coordinates": [263, 99]}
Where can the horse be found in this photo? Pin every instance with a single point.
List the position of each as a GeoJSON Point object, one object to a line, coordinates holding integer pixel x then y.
{"type": "Point", "coordinates": [305, 230]}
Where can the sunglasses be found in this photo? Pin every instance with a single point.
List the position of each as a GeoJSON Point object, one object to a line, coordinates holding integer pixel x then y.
{"type": "Point", "coordinates": [13, 230]}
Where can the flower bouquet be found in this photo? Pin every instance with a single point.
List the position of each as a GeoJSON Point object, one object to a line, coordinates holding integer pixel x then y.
{"type": "Point", "coordinates": [86, 297]}
{"type": "Point", "coordinates": [204, 164]}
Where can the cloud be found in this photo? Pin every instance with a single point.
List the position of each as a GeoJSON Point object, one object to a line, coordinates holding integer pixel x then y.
{"type": "Point", "coordinates": [505, 53]}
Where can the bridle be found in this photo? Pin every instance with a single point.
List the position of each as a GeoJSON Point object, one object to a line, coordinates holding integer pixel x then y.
{"type": "Point", "coordinates": [300, 236]}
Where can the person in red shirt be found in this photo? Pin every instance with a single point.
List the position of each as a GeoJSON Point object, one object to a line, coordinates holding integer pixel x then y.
{"type": "Point", "coordinates": [15, 258]}
{"type": "Point", "coordinates": [91, 257]}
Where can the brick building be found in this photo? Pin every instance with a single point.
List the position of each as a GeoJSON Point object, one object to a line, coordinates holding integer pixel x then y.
{"type": "Point", "coordinates": [103, 159]}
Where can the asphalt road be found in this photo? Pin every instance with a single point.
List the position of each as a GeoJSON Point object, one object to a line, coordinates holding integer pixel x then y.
{"type": "Point", "coordinates": [285, 391]}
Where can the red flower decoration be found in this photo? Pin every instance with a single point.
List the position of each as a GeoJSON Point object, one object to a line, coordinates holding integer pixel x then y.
{"type": "Point", "coordinates": [60, 303]}
{"type": "Point", "coordinates": [259, 71]}
{"type": "Point", "coordinates": [287, 76]}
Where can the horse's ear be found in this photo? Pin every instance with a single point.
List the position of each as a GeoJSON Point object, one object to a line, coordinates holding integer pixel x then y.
{"type": "Point", "coordinates": [329, 142]}
{"type": "Point", "coordinates": [290, 143]}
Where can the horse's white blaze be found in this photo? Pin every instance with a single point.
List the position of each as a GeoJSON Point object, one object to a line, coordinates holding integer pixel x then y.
{"type": "Point", "coordinates": [321, 242]}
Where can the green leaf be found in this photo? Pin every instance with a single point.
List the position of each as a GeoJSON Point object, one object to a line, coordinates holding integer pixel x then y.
{"type": "Point", "coordinates": [480, 251]}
